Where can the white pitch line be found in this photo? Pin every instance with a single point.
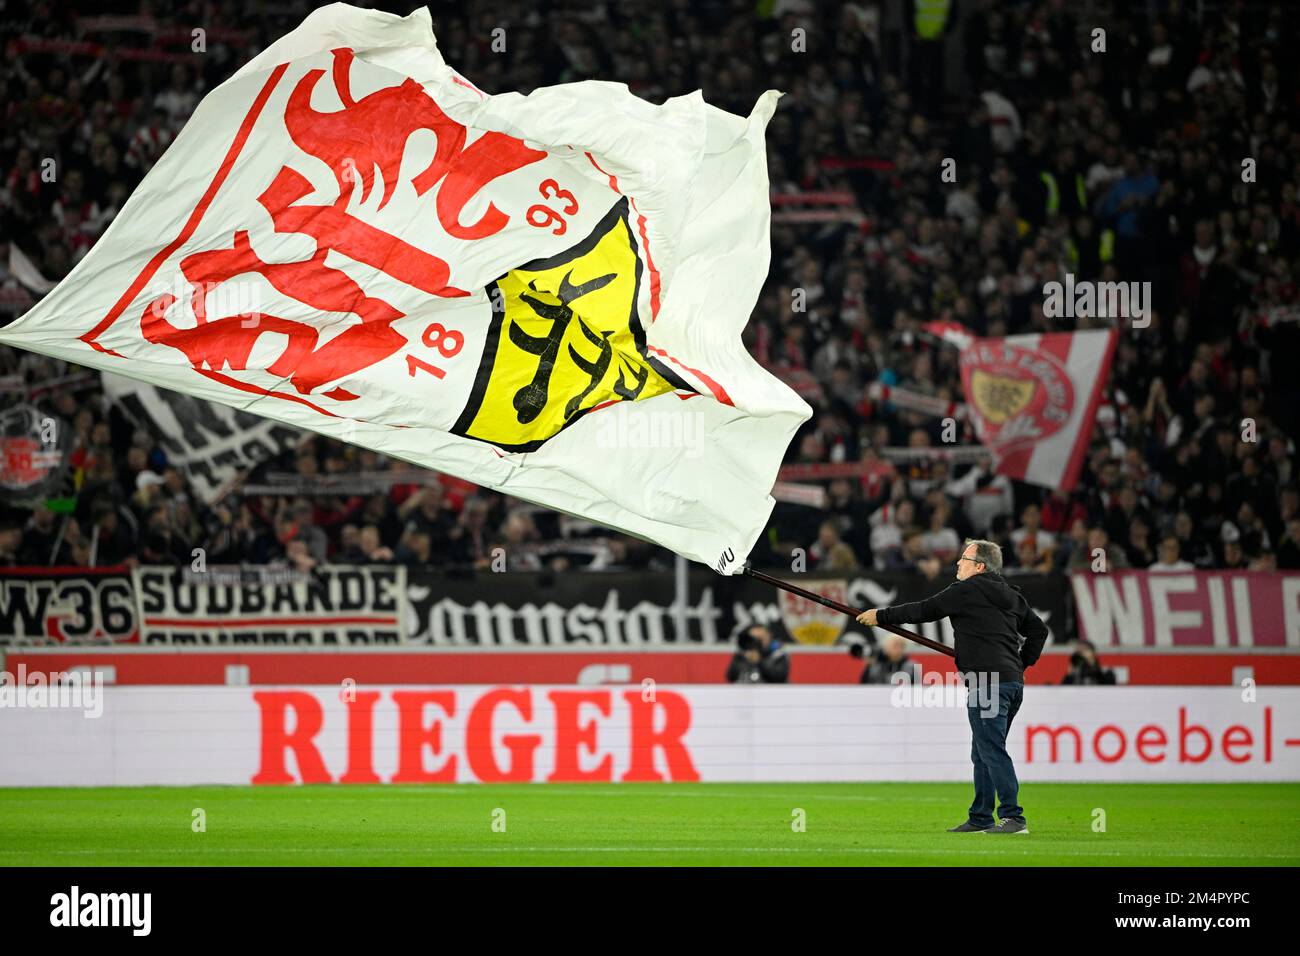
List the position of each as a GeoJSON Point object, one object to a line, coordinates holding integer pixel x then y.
{"type": "Point", "coordinates": [729, 794]}
{"type": "Point", "coordinates": [490, 793]}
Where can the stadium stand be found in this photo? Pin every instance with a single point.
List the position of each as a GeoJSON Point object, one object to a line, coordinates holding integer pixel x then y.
{"type": "Point", "coordinates": [868, 240]}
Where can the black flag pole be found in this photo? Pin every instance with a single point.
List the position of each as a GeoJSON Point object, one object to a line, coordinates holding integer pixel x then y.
{"type": "Point", "coordinates": [845, 609]}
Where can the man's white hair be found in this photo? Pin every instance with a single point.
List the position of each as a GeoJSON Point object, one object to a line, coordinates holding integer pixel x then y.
{"type": "Point", "coordinates": [987, 553]}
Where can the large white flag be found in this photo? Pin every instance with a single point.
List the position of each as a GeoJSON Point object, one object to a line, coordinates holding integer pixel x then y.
{"type": "Point", "coordinates": [542, 294]}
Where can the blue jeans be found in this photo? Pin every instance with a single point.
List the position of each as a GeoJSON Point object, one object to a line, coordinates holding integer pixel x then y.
{"type": "Point", "coordinates": [994, 771]}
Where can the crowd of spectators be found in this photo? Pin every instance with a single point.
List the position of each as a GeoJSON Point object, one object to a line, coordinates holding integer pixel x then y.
{"type": "Point", "coordinates": [1125, 165]}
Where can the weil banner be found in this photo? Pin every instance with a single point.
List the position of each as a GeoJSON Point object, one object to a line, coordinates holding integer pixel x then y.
{"type": "Point", "coordinates": [541, 294]}
{"type": "Point", "coordinates": [1220, 609]}
{"type": "Point", "coordinates": [1033, 400]}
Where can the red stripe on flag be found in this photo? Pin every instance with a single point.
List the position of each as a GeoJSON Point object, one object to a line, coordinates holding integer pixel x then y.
{"type": "Point", "coordinates": [1056, 344]}
{"type": "Point", "coordinates": [1014, 464]}
{"type": "Point", "coordinates": [245, 129]}
{"type": "Point", "coordinates": [1081, 440]}
{"type": "Point", "coordinates": [650, 263]}
{"type": "Point", "coordinates": [645, 240]}
{"type": "Point", "coordinates": [718, 391]}
{"type": "Point", "coordinates": [467, 84]}
{"type": "Point", "coordinates": [613, 180]}
{"type": "Point", "coordinates": [258, 390]}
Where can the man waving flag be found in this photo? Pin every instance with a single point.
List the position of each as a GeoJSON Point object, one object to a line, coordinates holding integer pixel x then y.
{"type": "Point", "coordinates": [542, 294]}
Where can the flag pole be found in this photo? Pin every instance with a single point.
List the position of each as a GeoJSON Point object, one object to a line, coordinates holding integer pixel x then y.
{"type": "Point", "coordinates": [845, 609]}
{"type": "Point", "coordinates": [681, 595]}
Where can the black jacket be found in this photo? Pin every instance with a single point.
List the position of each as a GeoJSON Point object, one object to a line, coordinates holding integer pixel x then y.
{"type": "Point", "coordinates": [773, 667]}
{"type": "Point", "coordinates": [882, 671]}
{"type": "Point", "coordinates": [988, 617]}
{"type": "Point", "coordinates": [1081, 673]}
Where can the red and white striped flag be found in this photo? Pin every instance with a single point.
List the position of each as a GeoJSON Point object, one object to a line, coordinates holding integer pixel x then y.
{"type": "Point", "coordinates": [953, 333]}
{"type": "Point", "coordinates": [1033, 399]}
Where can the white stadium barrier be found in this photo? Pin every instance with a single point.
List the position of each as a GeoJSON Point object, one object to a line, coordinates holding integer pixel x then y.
{"type": "Point", "coordinates": [277, 735]}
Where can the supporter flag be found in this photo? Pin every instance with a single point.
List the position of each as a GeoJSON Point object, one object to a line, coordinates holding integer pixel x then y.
{"type": "Point", "coordinates": [953, 333]}
{"type": "Point", "coordinates": [212, 443]}
{"type": "Point", "coordinates": [1033, 399]}
{"type": "Point", "coordinates": [541, 294]}
{"type": "Point", "coordinates": [24, 271]}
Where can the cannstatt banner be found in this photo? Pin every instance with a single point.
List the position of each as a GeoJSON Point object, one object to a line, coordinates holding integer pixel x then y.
{"type": "Point", "coordinates": [1220, 609]}
{"type": "Point", "coordinates": [541, 294]}
{"type": "Point", "coordinates": [625, 609]}
{"type": "Point", "coordinates": [139, 736]}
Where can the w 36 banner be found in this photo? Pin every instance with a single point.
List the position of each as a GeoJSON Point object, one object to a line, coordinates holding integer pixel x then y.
{"type": "Point", "coordinates": [1033, 400]}
{"type": "Point", "coordinates": [67, 605]}
{"type": "Point", "coordinates": [350, 237]}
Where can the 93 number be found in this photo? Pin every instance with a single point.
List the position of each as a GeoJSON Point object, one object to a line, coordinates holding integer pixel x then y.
{"type": "Point", "coordinates": [543, 216]}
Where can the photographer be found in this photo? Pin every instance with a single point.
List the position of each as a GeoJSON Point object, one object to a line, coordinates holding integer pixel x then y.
{"type": "Point", "coordinates": [881, 668]}
{"type": "Point", "coordinates": [759, 659]}
{"type": "Point", "coordinates": [1085, 669]}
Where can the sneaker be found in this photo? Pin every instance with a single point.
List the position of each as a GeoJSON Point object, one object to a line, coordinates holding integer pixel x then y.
{"type": "Point", "coordinates": [1009, 826]}
{"type": "Point", "coordinates": [969, 827]}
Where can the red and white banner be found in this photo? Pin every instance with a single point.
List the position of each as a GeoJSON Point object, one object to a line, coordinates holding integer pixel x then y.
{"type": "Point", "coordinates": [1240, 609]}
{"type": "Point", "coordinates": [647, 732]}
{"type": "Point", "coordinates": [951, 333]}
{"type": "Point", "coordinates": [916, 401]}
{"type": "Point", "coordinates": [1033, 399]}
{"type": "Point", "coordinates": [67, 606]}
{"type": "Point", "coordinates": [541, 294]}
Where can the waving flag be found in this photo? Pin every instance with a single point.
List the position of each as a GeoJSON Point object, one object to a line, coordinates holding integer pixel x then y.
{"type": "Point", "coordinates": [541, 294]}
{"type": "Point", "coordinates": [953, 333]}
{"type": "Point", "coordinates": [1033, 399]}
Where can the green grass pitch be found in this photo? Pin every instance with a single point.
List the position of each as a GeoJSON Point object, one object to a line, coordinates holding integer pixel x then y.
{"type": "Point", "coordinates": [894, 824]}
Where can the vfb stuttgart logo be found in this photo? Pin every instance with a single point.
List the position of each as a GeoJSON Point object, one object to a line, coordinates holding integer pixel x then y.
{"type": "Point", "coordinates": [567, 338]}
{"type": "Point", "coordinates": [811, 623]}
{"type": "Point", "coordinates": [1021, 396]}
